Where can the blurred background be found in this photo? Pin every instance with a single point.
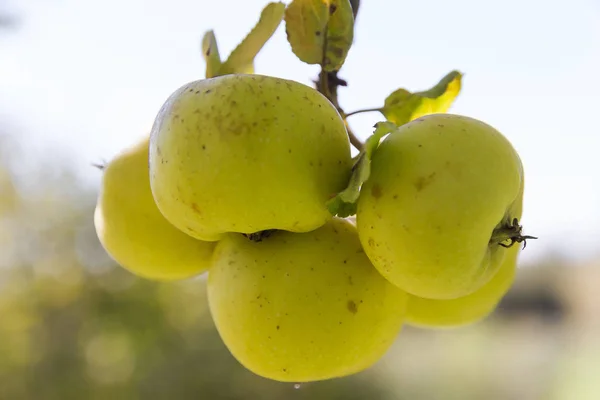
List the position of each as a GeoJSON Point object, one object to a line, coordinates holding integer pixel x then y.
{"type": "Point", "coordinates": [79, 81]}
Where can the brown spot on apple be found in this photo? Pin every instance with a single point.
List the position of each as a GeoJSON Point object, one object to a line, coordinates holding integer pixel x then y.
{"type": "Point", "coordinates": [376, 191]}
{"type": "Point", "coordinates": [424, 181]}
{"type": "Point", "coordinates": [352, 307]}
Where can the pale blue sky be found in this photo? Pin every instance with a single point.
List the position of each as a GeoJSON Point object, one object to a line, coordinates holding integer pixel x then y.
{"type": "Point", "coordinates": [86, 78]}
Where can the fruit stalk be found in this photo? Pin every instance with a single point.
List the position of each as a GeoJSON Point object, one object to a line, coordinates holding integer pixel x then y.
{"type": "Point", "coordinates": [327, 85]}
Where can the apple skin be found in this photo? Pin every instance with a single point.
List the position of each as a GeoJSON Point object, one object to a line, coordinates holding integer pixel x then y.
{"type": "Point", "coordinates": [469, 309]}
{"type": "Point", "coordinates": [134, 232]}
{"type": "Point", "coordinates": [300, 307]}
{"type": "Point", "coordinates": [439, 187]}
{"type": "Point", "coordinates": [247, 153]}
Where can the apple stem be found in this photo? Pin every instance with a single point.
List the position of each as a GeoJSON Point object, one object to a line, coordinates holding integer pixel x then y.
{"type": "Point", "coordinates": [259, 236]}
{"type": "Point", "coordinates": [510, 232]}
{"type": "Point", "coordinates": [354, 140]}
{"type": "Point", "coordinates": [327, 85]}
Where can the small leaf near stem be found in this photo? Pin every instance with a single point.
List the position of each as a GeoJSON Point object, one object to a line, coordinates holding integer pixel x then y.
{"type": "Point", "coordinates": [321, 32]}
{"type": "Point", "coordinates": [339, 34]}
{"type": "Point", "coordinates": [210, 52]}
{"type": "Point", "coordinates": [403, 106]}
{"type": "Point", "coordinates": [241, 59]}
{"type": "Point", "coordinates": [344, 203]}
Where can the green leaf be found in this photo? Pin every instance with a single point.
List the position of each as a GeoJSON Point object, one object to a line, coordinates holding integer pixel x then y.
{"type": "Point", "coordinates": [305, 26]}
{"type": "Point", "coordinates": [403, 106]}
{"type": "Point", "coordinates": [340, 34]}
{"type": "Point", "coordinates": [320, 31]}
{"type": "Point", "coordinates": [344, 203]}
{"type": "Point", "coordinates": [210, 52]}
{"type": "Point", "coordinates": [241, 60]}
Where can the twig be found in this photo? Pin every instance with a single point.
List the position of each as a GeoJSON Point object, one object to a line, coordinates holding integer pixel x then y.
{"type": "Point", "coordinates": [354, 140]}
{"type": "Point", "coordinates": [328, 84]}
{"type": "Point", "coordinates": [363, 111]}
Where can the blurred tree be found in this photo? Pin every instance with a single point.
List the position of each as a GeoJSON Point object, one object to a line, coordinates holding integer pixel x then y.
{"type": "Point", "coordinates": [76, 326]}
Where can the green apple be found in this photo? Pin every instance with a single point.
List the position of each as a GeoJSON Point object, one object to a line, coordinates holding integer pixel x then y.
{"type": "Point", "coordinates": [247, 153]}
{"type": "Point", "coordinates": [132, 229]}
{"type": "Point", "coordinates": [430, 313]}
{"type": "Point", "coordinates": [300, 307]}
{"type": "Point", "coordinates": [440, 205]}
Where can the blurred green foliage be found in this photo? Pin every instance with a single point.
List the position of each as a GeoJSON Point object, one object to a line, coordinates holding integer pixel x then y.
{"type": "Point", "coordinates": [73, 325]}
{"type": "Point", "coordinates": [111, 336]}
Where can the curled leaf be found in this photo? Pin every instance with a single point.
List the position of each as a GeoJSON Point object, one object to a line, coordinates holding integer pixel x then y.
{"type": "Point", "coordinates": [320, 31]}
{"type": "Point", "coordinates": [344, 203]}
{"type": "Point", "coordinates": [305, 25]}
{"type": "Point", "coordinates": [340, 34]}
{"type": "Point", "coordinates": [241, 59]}
{"type": "Point", "coordinates": [210, 52]}
{"type": "Point", "coordinates": [403, 106]}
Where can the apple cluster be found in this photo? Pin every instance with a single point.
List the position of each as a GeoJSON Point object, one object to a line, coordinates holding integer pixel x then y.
{"type": "Point", "coordinates": [235, 180]}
